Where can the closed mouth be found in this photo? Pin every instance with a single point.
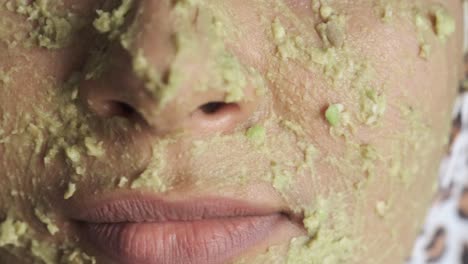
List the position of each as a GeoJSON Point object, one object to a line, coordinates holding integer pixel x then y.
{"type": "Point", "coordinates": [148, 230]}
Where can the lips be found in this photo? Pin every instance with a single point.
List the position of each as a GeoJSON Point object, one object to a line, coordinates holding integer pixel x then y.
{"type": "Point", "coordinates": [146, 230]}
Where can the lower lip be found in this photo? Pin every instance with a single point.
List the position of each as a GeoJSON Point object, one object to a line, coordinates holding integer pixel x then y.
{"type": "Point", "coordinates": [210, 241]}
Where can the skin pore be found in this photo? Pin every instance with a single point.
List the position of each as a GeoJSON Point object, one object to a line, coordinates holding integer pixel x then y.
{"type": "Point", "coordinates": [333, 112]}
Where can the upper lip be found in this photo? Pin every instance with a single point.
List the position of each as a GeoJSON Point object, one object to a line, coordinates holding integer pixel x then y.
{"type": "Point", "coordinates": [138, 208]}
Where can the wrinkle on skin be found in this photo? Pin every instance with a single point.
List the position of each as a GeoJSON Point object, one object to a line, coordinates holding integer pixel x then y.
{"type": "Point", "coordinates": [287, 154]}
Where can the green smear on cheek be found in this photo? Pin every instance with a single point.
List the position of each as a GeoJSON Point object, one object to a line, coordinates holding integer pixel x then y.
{"type": "Point", "coordinates": [329, 239]}
{"type": "Point", "coordinates": [256, 134]}
{"type": "Point", "coordinates": [45, 219]}
{"type": "Point", "coordinates": [71, 189]}
{"type": "Point", "coordinates": [44, 251]}
{"type": "Point", "coordinates": [93, 147]}
{"type": "Point", "coordinates": [12, 232]}
{"type": "Point", "coordinates": [373, 106]}
{"type": "Point", "coordinates": [282, 179]}
{"type": "Point", "coordinates": [111, 22]}
{"type": "Point", "coordinates": [444, 23]}
{"type": "Point", "coordinates": [51, 28]}
{"type": "Point", "coordinates": [152, 177]}
{"type": "Point", "coordinates": [15, 234]}
{"type": "Point", "coordinates": [333, 114]}
{"type": "Point", "coordinates": [333, 30]}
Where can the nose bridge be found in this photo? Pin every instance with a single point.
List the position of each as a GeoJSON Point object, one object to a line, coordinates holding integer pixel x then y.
{"type": "Point", "coordinates": [165, 50]}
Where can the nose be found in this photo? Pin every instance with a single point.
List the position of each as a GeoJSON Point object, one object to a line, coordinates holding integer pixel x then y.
{"type": "Point", "coordinates": [157, 78]}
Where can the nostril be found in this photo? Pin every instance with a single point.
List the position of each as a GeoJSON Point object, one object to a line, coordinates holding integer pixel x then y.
{"type": "Point", "coordinates": [216, 117]}
{"type": "Point", "coordinates": [213, 108]}
{"type": "Point", "coordinates": [115, 108]}
{"type": "Point", "coordinates": [124, 110]}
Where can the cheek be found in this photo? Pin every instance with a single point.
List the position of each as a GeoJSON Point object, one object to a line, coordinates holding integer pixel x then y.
{"type": "Point", "coordinates": [393, 137]}
{"type": "Point", "coordinates": [303, 8]}
{"type": "Point", "coordinates": [419, 90]}
{"type": "Point", "coordinates": [30, 91]}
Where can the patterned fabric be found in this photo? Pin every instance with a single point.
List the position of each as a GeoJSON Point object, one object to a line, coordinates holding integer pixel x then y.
{"type": "Point", "coordinates": [444, 236]}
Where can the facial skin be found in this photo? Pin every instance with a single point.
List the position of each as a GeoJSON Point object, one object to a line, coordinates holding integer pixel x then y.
{"type": "Point", "coordinates": [361, 187]}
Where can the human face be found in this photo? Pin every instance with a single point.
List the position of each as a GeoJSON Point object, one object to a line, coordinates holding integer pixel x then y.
{"type": "Point", "coordinates": [221, 131]}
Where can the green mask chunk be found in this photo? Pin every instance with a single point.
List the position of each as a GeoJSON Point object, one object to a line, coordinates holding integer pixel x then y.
{"type": "Point", "coordinates": [333, 114]}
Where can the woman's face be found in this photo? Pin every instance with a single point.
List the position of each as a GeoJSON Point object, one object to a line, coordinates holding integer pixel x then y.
{"type": "Point", "coordinates": [281, 131]}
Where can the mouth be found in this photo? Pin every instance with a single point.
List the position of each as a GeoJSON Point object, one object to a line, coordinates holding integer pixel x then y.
{"type": "Point", "coordinates": [149, 230]}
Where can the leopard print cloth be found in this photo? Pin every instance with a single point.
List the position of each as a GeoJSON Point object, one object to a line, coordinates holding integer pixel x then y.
{"type": "Point", "coordinates": [444, 236]}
